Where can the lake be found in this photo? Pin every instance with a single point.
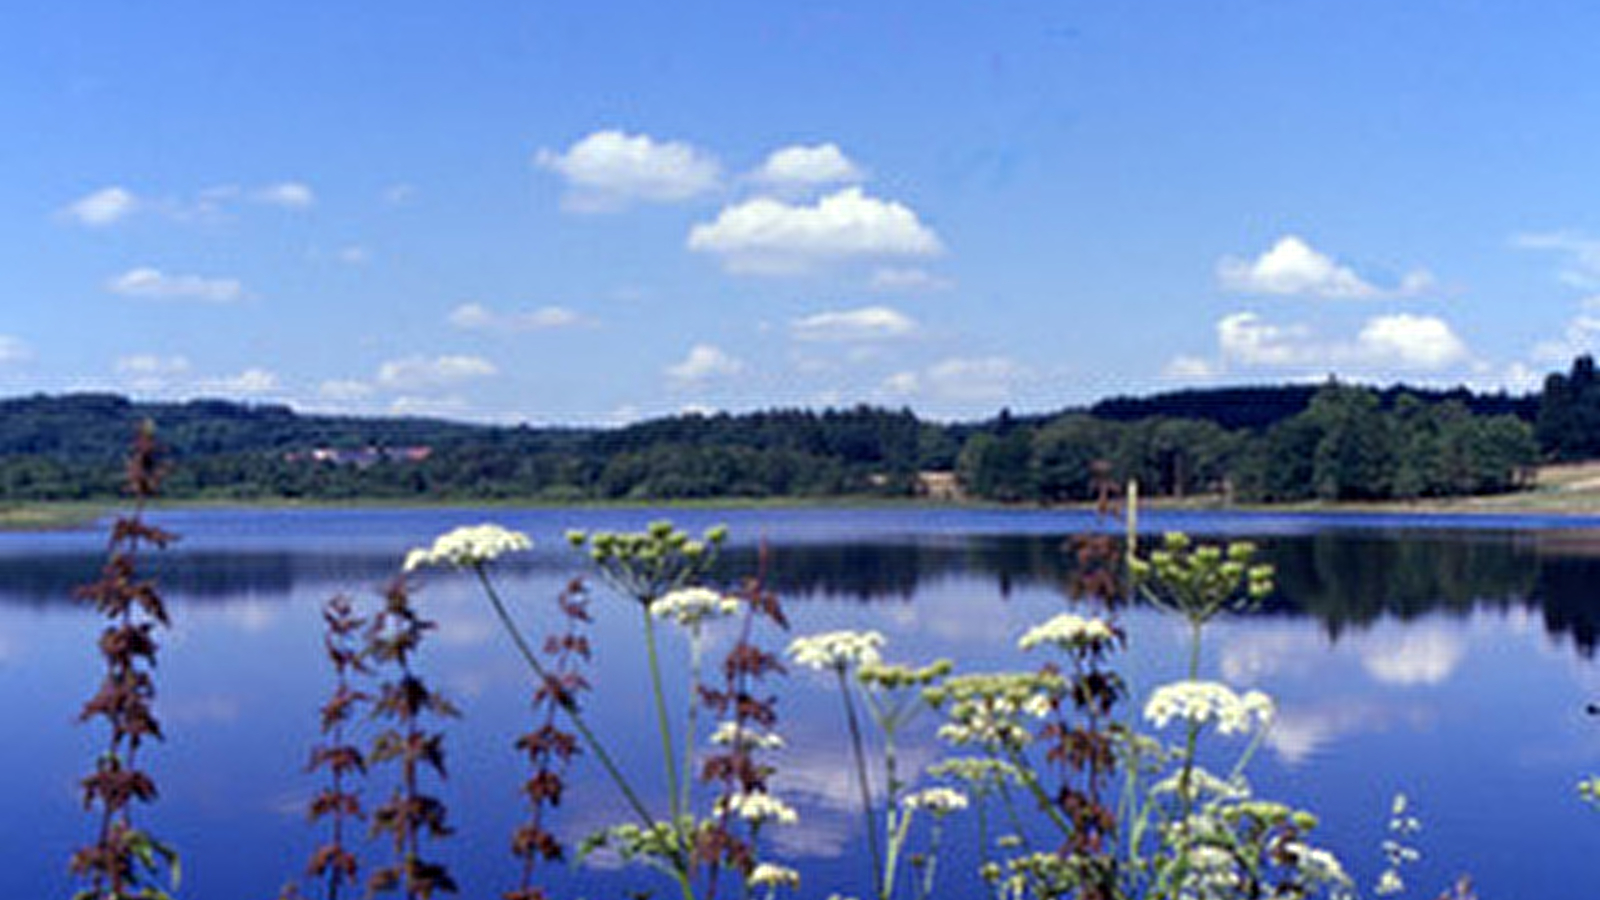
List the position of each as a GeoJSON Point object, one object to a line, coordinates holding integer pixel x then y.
{"type": "Point", "coordinates": [1450, 658]}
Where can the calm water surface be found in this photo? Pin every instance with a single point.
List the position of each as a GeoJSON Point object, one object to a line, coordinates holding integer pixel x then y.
{"type": "Point", "coordinates": [1450, 658]}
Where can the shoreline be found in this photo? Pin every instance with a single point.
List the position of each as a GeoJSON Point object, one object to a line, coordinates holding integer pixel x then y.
{"type": "Point", "coordinates": [73, 515]}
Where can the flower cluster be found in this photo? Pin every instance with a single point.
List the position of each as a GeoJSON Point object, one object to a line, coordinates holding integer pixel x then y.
{"type": "Point", "coordinates": [757, 807]}
{"type": "Point", "coordinates": [837, 649]}
{"type": "Point", "coordinates": [1069, 632]}
{"type": "Point", "coordinates": [732, 734]}
{"type": "Point", "coordinates": [941, 801]}
{"type": "Point", "coordinates": [649, 564]}
{"type": "Point", "coordinates": [987, 709]}
{"type": "Point", "coordinates": [468, 547]}
{"type": "Point", "coordinates": [773, 875]}
{"type": "Point", "coordinates": [1200, 582]}
{"type": "Point", "coordinates": [690, 607]}
{"type": "Point", "coordinates": [1199, 702]}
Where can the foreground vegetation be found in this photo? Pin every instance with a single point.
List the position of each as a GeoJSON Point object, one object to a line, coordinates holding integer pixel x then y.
{"type": "Point", "coordinates": [1079, 789]}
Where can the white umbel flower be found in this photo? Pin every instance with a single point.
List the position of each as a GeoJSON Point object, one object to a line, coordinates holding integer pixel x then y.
{"type": "Point", "coordinates": [729, 734]}
{"type": "Point", "coordinates": [1068, 632]}
{"type": "Point", "coordinates": [773, 875]}
{"type": "Point", "coordinates": [837, 649]}
{"type": "Point", "coordinates": [758, 808]}
{"type": "Point", "coordinates": [468, 546]}
{"type": "Point", "coordinates": [691, 606]}
{"type": "Point", "coordinates": [941, 801]}
{"type": "Point", "coordinates": [1199, 702]}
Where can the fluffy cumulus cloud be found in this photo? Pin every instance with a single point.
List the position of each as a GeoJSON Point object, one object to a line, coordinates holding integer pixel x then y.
{"type": "Point", "coordinates": [477, 317]}
{"type": "Point", "coordinates": [609, 170]}
{"type": "Point", "coordinates": [101, 208]}
{"type": "Point", "coordinates": [1396, 342]}
{"type": "Point", "coordinates": [427, 373]}
{"type": "Point", "coordinates": [1247, 339]}
{"type": "Point", "coordinates": [869, 323]}
{"type": "Point", "coordinates": [1579, 253]}
{"type": "Point", "coordinates": [799, 167]}
{"type": "Point", "coordinates": [769, 236]}
{"type": "Point", "coordinates": [1412, 342]}
{"type": "Point", "coordinates": [154, 284]}
{"type": "Point", "coordinates": [704, 362]}
{"type": "Point", "coordinates": [1293, 268]}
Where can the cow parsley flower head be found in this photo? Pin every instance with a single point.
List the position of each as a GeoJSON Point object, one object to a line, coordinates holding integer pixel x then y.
{"type": "Point", "coordinates": [773, 875]}
{"type": "Point", "coordinates": [941, 801]}
{"type": "Point", "coordinates": [756, 807]}
{"type": "Point", "coordinates": [690, 607]}
{"type": "Point", "coordinates": [1199, 702]}
{"type": "Point", "coordinates": [468, 547]}
{"type": "Point", "coordinates": [837, 649]}
{"type": "Point", "coordinates": [1069, 632]}
{"type": "Point", "coordinates": [748, 737]}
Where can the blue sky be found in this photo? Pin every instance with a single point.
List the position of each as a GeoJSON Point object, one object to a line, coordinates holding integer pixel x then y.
{"type": "Point", "coordinates": [564, 212]}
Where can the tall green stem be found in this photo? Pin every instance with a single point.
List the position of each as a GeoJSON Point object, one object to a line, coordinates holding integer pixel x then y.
{"type": "Point", "coordinates": [1186, 779]}
{"type": "Point", "coordinates": [861, 777]}
{"type": "Point", "coordinates": [680, 860]}
{"type": "Point", "coordinates": [669, 758]}
{"type": "Point", "coordinates": [692, 716]}
{"type": "Point", "coordinates": [589, 739]}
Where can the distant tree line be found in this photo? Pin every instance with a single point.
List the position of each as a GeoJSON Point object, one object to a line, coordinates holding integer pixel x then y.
{"type": "Point", "coordinates": [1345, 445]}
{"type": "Point", "coordinates": [1285, 443]}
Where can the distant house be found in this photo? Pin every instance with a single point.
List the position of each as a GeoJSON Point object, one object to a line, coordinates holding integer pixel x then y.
{"type": "Point", "coordinates": [360, 457]}
{"type": "Point", "coordinates": [939, 486]}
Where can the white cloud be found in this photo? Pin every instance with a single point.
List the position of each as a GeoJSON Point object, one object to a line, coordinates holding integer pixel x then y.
{"type": "Point", "coordinates": [477, 317]}
{"type": "Point", "coordinates": [1579, 336]}
{"type": "Point", "coordinates": [1580, 252]}
{"type": "Point", "coordinates": [806, 167]}
{"type": "Point", "coordinates": [986, 379]}
{"type": "Point", "coordinates": [1248, 339]}
{"type": "Point", "coordinates": [286, 195]}
{"type": "Point", "coordinates": [423, 373]}
{"type": "Point", "coordinates": [908, 279]}
{"type": "Point", "coordinates": [1293, 268]}
{"type": "Point", "coordinates": [344, 390]}
{"type": "Point", "coordinates": [1407, 341]}
{"type": "Point", "coordinates": [1190, 368]}
{"type": "Point", "coordinates": [430, 407]}
{"type": "Point", "coordinates": [250, 382]}
{"type": "Point", "coordinates": [869, 323]}
{"type": "Point", "coordinates": [608, 170]}
{"type": "Point", "coordinates": [354, 255]}
{"type": "Point", "coordinates": [13, 350]}
{"type": "Point", "coordinates": [157, 285]}
{"type": "Point", "coordinates": [149, 373]}
{"type": "Point", "coordinates": [902, 384]}
{"type": "Point", "coordinates": [773, 237]}
{"type": "Point", "coordinates": [103, 207]}
{"type": "Point", "coordinates": [704, 362]}
{"type": "Point", "coordinates": [1400, 341]}
{"type": "Point", "coordinates": [1419, 656]}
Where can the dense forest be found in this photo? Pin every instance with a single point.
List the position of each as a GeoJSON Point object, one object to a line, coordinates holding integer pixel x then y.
{"type": "Point", "coordinates": [1264, 444]}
